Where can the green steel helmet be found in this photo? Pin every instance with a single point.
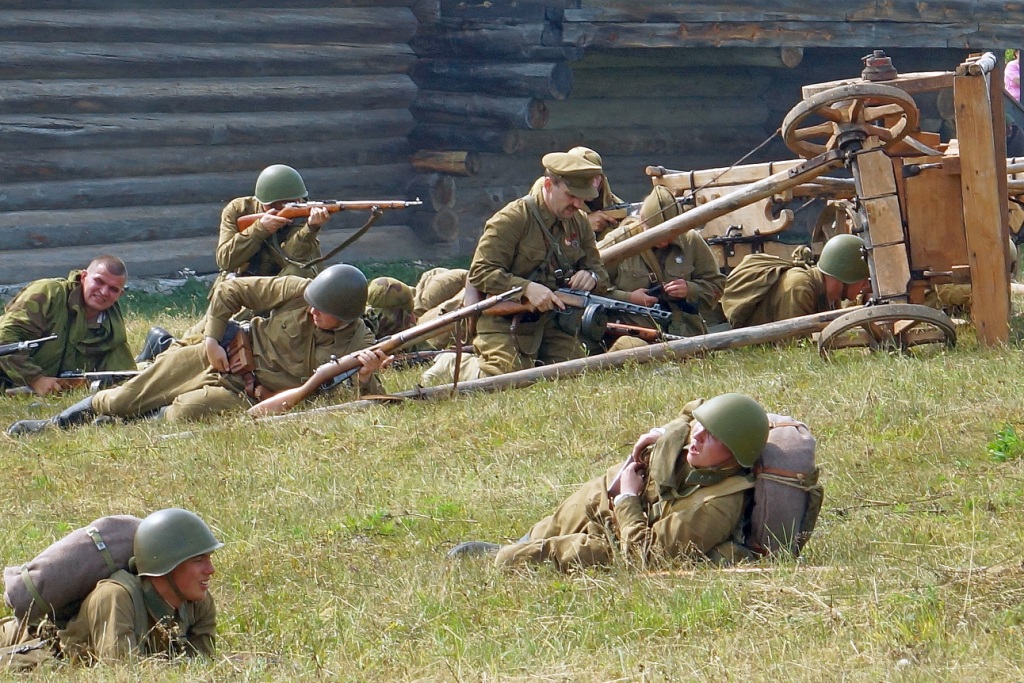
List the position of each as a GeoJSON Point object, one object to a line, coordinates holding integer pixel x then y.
{"type": "Point", "coordinates": [739, 422]}
{"type": "Point", "coordinates": [842, 257]}
{"type": "Point", "coordinates": [278, 183]}
{"type": "Point", "coordinates": [168, 537]}
{"type": "Point", "coordinates": [659, 206]}
{"type": "Point", "coordinates": [339, 290]}
{"type": "Point", "coordinates": [588, 154]}
{"type": "Point", "coordinates": [388, 292]}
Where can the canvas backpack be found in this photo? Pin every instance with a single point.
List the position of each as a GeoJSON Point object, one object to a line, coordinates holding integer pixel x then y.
{"type": "Point", "coordinates": [750, 282]}
{"type": "Point", "coordinates": [54, 583]}
{"type": "Point", "coordinates": [787, 495]}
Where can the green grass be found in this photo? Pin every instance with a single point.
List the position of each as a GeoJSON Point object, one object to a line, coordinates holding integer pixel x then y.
{"type": "Point", "coordinates": [337, 526]}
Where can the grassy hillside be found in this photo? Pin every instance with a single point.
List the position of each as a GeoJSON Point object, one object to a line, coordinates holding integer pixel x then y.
{"type": "Point", "coordinates": [337, 527]}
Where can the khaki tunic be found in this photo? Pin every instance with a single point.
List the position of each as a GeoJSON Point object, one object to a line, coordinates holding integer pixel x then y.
{"type": "Point", "coordinates": [800, 291]}
{"type": "Point", "coordinates": [687, 257]}
{"type": "Point", "coordinates": [55, 306]}
{"type": "Point", "coordinates": [104, 628]}
{"type": "Point", "coordinates": [287, 349]}
{"type": "Point", "coordinates": [683, 513]}
{"type": "Point", "coordinates": [511, 253]}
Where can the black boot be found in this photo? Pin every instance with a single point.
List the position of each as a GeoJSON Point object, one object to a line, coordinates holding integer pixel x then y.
{"type": "Point", "coordinates": [77, 414]}
{"type": "Point", "coordinates": [157, 341]}
{"type": "Point", "coordinates": [473, 549]}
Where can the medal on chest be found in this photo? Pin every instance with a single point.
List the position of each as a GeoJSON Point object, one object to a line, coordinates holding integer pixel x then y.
{"type": "Point", "coordinates": [572, 241]}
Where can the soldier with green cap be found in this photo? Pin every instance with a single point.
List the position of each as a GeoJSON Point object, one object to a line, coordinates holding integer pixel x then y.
{"type": "Point", "coordinates": [234, 366]}
{"type": "Point", "coordinates": [765, 288]}
{"type": "Point", "coordinates": [82, 310]}
{"type": "Point", "coordinates": [539, 242]}
{"type": "Point", "coordinates": [160, 607]}
{"type": "Point", "coordinates": [600, 220]}
{"type": "Point", "coordinates": [682, 493]}
{"type": "Point", "coordinates": [683, 268]}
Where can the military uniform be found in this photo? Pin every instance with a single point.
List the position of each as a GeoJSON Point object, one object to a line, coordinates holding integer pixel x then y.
{"type": "Point", "coordinates": [514, 251]}
{"type": "Point", "coordinates": [605, 196]}
{"type": "Point", "coordinates": [798, 290]}
{"type": "Point", "coordinates": [687, 257]}
{"type": "Point", "coordinates": [104, 628]}
{"type": "Point", "coordinates": [683, 513]}
{"type": "Point", "coordinates": [286, 346]}
{"type": "Point", "coordinates": [55, 306]}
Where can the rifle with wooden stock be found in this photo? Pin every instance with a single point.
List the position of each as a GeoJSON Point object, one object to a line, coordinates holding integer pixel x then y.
{"type": "Point", "coordinates": [284, 400]}
{"type": "Point", "coordinates": [27, 345]}
{"type": "Point", "coordinates": [576, 298]}
{"type": "Point", "coordinates": [648, 334]}
{"type": "Point", "coordinates": [303, 209]}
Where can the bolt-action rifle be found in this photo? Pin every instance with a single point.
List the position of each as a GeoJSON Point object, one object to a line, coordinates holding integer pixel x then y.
{"type": "Point", "coordinates": [71, 379]}
{"type": "Point", "coordinates": [284, 400]}
{"type": "Point", "coordinates": [27, 345]}
{"type": "Point", "coordinates": [303, 209]}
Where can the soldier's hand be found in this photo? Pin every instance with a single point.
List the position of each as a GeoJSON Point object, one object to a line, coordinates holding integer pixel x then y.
{"type": "Point", "coordinates": [372, 361]}
{"type": "Point", "coordinates": [645, 440]}
{"type": "Point", "coordinates": [640, 297]}
{"type": "Point", "coordinates": [216, 356]}
{"type": "Point", "coordinates": [677, 289]}
{"type": "Point", "coordinates": [45, 385]}
{"type": "Point", "coordinates": [542, 298]}
{"type": "Point", "coordinates": [600, 221]}
{"type": "Point", "coordinates": [633, 478]}
{"type": "Point", "coordinates": [271, 222]}
{"type": "Point", "coordinates": [318, 215]}
{"type": "Point", "coordinates": [583, 280]}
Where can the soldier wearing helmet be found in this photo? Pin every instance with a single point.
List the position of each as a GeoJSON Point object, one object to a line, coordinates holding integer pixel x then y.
{"type": "Point", "coordinates": [234, 366]}
{"type": "Point", "coordinates": [680, 494]}
{"type": "Point", "coordinates": [173, 567]}
{"type": "Point", "coordinates": [765, 288]}
{"type": "Point", "coordinates": [680, 273]}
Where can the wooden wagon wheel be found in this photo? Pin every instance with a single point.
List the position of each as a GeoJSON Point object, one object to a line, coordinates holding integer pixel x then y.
{"type": "Point", "coordinates": [849, 109]}
{"type": "Point", "coordinates": [896, 327]}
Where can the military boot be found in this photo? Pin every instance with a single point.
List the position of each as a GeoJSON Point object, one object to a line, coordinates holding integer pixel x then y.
{"type": "Point", "coordinates": [473, 549]}
{"type": "Point", "coordinates": [157, 341]}
{"type": "Point", "coordinates": [77, 414]}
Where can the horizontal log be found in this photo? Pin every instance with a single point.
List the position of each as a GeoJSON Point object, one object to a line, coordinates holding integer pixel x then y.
{"type": "Point", "coordinates": [793, 328]}
{"type": "Point", "coordinates": [200, 4]}
{"type": "Point", "coordinates": [540, 80]}
{"type": "Point", "coordinates": [436, 190]}
{"type": "Point", "coordinates": [460, 163]}
{"type": "Point", "coordinates": [658, 141]}
{"type": "Point", "coordinates": [434, 106]}
{"type": "Point", "coordinates": [84, 131]}
{"type": "Point", "coordinates": [655, 111]}
{"type": "Point", "coordinates": [384, 91]}
{"type": "Point", "coordinates": [442, 136]}
{"type": "Point", "coordinates": [322, 183]}
{"type": "Point", "coordinates": [657, 81]}
{"type": "Point", "coordinates": [519, 11]}
{"type": "Point", "coordinates": [441, 225]}
{"type": "Point", "coordinates": [533, 42]}
{"type": "Point", "coordinates": [75, 164]}
{"type": "Point", "coordinates": [786, 34]}
{"type": "Point", "coordinates": [644, 58]}
{"type": "Point", "coordinates": [93, 61]}
{"type": "Point", "coordinates": [370, 25]}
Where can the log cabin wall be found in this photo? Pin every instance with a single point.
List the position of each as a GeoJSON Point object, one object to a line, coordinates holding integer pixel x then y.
{"type": "Point", "coordinates": [683, 85]}
{"type": "Point", "coordinates": [126, 126]}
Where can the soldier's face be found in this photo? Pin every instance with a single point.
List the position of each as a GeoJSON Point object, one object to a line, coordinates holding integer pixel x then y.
{"type": "Point", "coordinates": [559, 200]}
{"type": "Point", "coordinates": [192, 577]}
{"type": "Point", "coordinates": [101, 289]}
{"type": "Point", "coordinates": [705, 450]}
{"type": "Point", "coordinates": [325, 321]}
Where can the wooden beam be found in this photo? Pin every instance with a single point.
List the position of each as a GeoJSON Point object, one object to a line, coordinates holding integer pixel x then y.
{"type": "Point", "coordinates": [546, 80]}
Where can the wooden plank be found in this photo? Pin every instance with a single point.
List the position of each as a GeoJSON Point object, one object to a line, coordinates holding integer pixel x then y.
{"type": "Point", "coordinates": [780, 34]}
{"type": "Point", "coordinates": [884, 221]}
{"type": "Point", "coordinates": [83, 131]}
{"type": "Point", "coordinates": [72, 164]}
{"type": "Point", "coordinates": [729, 175]}
{"type": "Point", "coordinates": [659, 81]}
{"type": "Point", "coordinates": [892, 271]}
{"type": "Point", "coordinates": [911, 83]}
{"type": "Point", "coordinates": [372, 25]}
{"type": "Point", "coordinates": [22, 61]}
{"type": "Point", "coordinates": [986, 239]}
{"type": "Point", "coordinates": [935, 222]}
{"type": "Point", "coordinates": [657, 111]}
{"type": "Point", "coordinates": [523, 42]}
{"type": "Point", "coordinates": [643, 58]}
{"type": "Point", "coordinates": [385, 91]}
{"type": "Point", "coordinates": [876, 177]}
{"type": "Point", "coordinates": [550, 80]}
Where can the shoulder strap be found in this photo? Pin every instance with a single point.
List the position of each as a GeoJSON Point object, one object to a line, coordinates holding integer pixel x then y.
{"type": "Point", "coordinates": [133, 585]}
{"type": "Point", "coordinates": [553, 249]}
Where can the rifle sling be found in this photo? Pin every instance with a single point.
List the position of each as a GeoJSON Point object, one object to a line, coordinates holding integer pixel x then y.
{"type": "Point", "coordinates": [275, 245]}
{"type": "Point", "coordinates": [553, 248]}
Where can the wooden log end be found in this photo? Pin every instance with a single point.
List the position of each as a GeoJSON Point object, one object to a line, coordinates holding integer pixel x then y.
{"type": "Point", "coordinates": [442, 226]}
{"type": "Point", "coordinates": [537, 115]}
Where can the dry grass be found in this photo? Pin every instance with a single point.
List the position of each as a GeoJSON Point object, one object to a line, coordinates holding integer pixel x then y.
{"type": "Point", "coordinates": [337, 526]}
